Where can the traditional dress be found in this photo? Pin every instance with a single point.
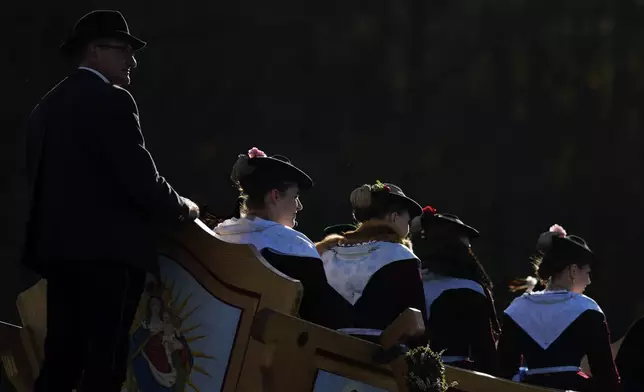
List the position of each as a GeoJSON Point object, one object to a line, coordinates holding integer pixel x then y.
{"type": "Point", "coordinates": [372, 267]}
{"type": "Point", "coordinates": [293, 254]}
{"type": "Point", "coordinates": [379, 279]}
{"type": "Point", "coordinates": [459, 320]}
{"type": "Point", "coordinates": [545, 336]}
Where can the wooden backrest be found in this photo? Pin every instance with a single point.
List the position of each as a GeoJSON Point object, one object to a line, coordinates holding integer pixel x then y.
{"type": "Point", "coordinates": [308, 357]}
{"type": "Point", "coordinates": [192, 329]}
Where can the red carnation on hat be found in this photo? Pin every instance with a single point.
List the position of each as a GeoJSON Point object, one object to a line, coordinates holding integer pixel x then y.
{"type": "Point", "coordinates": [429, 210]}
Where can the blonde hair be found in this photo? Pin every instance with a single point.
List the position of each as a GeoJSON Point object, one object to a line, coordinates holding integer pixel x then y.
{"type": "Point", "coordinates": [373, 201]}
{"type": "Point", "coordinates": [361, 197]}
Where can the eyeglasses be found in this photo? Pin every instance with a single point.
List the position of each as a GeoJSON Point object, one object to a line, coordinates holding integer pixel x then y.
{"type": "Point", "coordinates": [127, 50]}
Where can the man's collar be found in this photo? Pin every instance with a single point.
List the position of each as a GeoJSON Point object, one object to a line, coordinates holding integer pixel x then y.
{"type": "Point", "coordinates": [100, 75]}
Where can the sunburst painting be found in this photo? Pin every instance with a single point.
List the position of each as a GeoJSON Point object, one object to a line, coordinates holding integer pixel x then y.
{"type": "Point", "coordinates": [182, 336]}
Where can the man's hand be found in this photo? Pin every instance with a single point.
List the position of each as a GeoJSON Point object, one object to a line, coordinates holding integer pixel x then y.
{"type": "Point", "coordinates": [194, 208]}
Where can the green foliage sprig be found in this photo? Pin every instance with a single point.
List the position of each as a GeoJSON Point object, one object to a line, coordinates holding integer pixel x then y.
{"type": "Point", "coordinates": [426, 371]}
{"type": "Point", "coordinates": [379, 186]}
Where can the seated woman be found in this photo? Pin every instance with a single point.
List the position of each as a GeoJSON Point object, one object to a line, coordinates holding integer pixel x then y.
{"type": "Point", "coordinates": [547, 333]}
{"type": "Point", "coordinates": [458, 292]}
{"type": "Point", "coordinates": [373, 267]}
{"type": "Point", "coordinates": [629, 358]}
{"type": "Point", "coordinates": [270, 188]}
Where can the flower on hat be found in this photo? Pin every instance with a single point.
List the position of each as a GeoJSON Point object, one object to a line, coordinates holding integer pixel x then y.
{"type": "Point", "coordinates": [379, 186]}
{"type": "Point", "coordinates": [256, 152]}
{"type": "Point", "coordinates": [558, 230]}
{"type": "Point", "coordinates": [429, 210]}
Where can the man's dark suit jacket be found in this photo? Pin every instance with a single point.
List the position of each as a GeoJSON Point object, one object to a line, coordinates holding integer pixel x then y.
{"type": "Point", "coordinates": [96, 194]}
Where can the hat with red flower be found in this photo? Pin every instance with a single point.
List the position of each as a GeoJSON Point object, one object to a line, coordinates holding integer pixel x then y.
{"type": "Point", "coordinates": [431, 218]}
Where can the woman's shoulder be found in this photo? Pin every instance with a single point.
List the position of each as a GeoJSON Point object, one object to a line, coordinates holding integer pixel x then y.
{"type": "Point", "coordinates": [396, 251]}
{"type": "Point", "coordinates": [589, 303]}
{"type": "Point", "coordinates": [452, 286]}
{"type": "Point", "coordinates": [328, 243]}
{"type": "Point", "coordinates": [290, 242]}
{"type": "Point", "coordinates": [291, 265]}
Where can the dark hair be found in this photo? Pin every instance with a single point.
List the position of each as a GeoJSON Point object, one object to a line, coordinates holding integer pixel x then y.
{"type": "Point", "coordinates": [555, 254]}
{"type": "Point", "coordinates": [369, 203]}
{"type": "Point", "coordinates": [443, 253]}
{"type": "Point", "coordinates": [550, 265]}
{"type": "Point", "coordinates": [448, 256]}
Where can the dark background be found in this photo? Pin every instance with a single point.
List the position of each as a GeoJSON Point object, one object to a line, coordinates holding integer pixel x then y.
{"type": "Point", "coordinates": [512, 114]}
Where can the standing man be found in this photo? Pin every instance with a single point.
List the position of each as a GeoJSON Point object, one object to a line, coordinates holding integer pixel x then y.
{"type": "Point", "coordinates": [96, 198]}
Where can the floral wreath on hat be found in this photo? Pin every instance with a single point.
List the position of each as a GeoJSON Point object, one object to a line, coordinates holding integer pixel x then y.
{"type": "Point", "coordinates": [380, 187]}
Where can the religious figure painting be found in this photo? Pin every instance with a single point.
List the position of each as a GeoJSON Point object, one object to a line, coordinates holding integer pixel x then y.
{"type": "Point", "coordinates": [182, 336]}
{"type": "Point", "coordinates": [329, 382]}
